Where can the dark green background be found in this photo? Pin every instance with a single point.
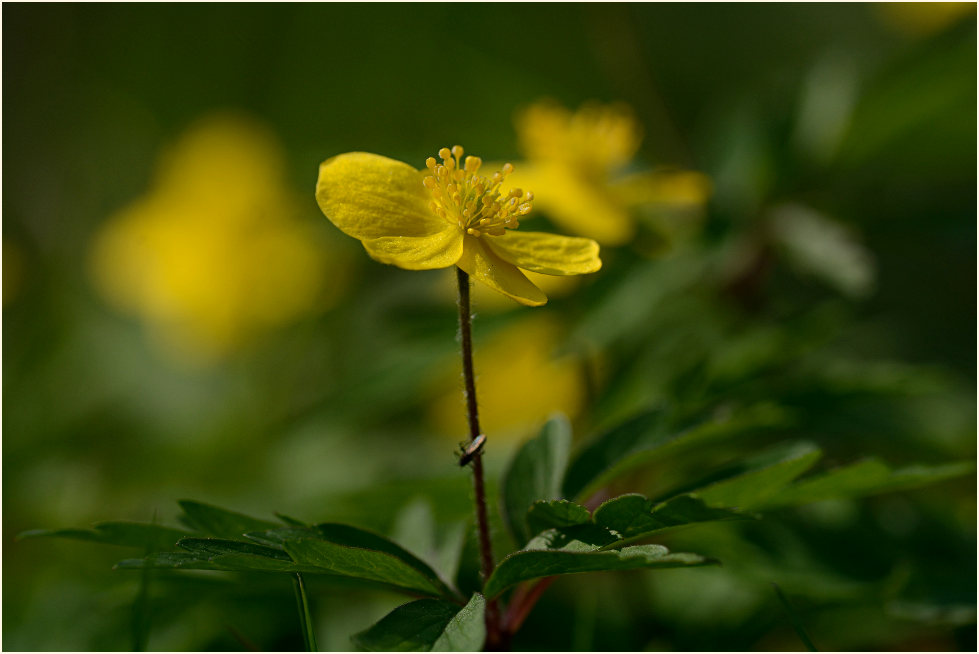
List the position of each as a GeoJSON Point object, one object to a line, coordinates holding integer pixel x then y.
{"type": "Point", "coordinates": [96, 426]}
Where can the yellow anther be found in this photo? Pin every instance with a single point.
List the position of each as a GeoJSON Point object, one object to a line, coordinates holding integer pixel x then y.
{"type": "Point", "coordinates": [460, 196]}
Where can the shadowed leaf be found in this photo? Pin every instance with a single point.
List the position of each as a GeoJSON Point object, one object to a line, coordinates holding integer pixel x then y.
{"type": "Point", "coordinates": [535, 473]}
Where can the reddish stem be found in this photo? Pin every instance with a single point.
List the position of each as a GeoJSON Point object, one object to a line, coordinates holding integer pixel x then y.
{"type": "Point", "coordinates": [494, 635]}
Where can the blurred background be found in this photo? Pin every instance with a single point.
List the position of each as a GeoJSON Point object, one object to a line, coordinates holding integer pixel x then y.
{"type": "Point", "coordinates": [794, 193]}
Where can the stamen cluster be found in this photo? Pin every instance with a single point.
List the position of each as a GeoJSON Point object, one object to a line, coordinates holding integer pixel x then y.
{"type": "Point", "coordinates": [460, 195]}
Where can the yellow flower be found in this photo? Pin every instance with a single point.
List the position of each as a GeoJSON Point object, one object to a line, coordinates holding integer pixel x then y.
{"type": "Point", "coordinates": [447, 216]}
{"type": "Point", "coordinates": [575, 161]}
{"type": "Point", "coordinates": [214, 254]}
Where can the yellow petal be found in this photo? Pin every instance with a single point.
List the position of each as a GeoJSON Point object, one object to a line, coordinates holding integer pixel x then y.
{"type": "Point", "coordinates": [677, 188]}
{"type": "Point", "coordinates": [369, 196]}
{"type": "Point", "coordinates": [481, 263]}
{"type": "Point", "coordinates": [579, 205]}
{"type": "Point", "coordinates": [549, 254]}
{"type": "Point", "coordinates": [439, 250]}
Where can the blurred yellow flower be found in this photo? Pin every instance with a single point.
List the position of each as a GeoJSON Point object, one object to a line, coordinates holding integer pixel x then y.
{"type": "Point", "coordinates": [214, 253]}
{"type": "Point", "coordinates": [923, 18]}
{"type": "Point", "coordinates": [519, 380]}
{"type": "Point", "coordinates": [575, 163]}
{"type": "Point", "coordinates": [450, 216]}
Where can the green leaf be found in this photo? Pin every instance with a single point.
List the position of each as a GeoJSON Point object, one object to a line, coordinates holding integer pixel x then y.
{"type": "Point", "coordinates": [534, 474]}
{"type": "Point", "coordinates": [352, 552]}
{"type": "Point", "coordinates": [556, 513]}
{"type": "Point", "coordinates": [412, 627]}
{"type": "Point", "coordinates": [466, 632]}
{"type": "Point", "coordinates": [867, 477]}
{"type": "Point", "coordinates": [533, 564]}
{"type": "Point", "coordinates": [652, 435]}
{"type": "Point", "coordinates": [215, 521]}
{"type": "Point", "coordinates": [633, 516]}
{"type": "Point", "coordinates": [576, 538]}
{"type": "Point", "coordinates": [129, 534]}
{"type": "Point", "coordinates": [230, 562]}
{"type": "Point", "coordinates": [209, 547]}
{"type": "Point", "coordinates": [761, 477]}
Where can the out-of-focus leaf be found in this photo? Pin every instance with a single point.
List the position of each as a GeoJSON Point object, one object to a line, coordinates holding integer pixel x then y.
{"type": "Point", "coordinates": [556, 513]}
{"type": "Point", "coordinates": [765, 476]}
{"type": "Point", "coordinates": [129, 534]}
{"type": "Point", "coordinates": [466, 631]}
{"type": "Point", "coordinates": [867, 477]}
{"type": "Point", "coordinates": [535, 473]}
{"type": "Point", "coordinates": [633, 516]}
{"type": "Point", "coordinates": [412, 627]}
{"type": "Point", "coordinates": [650, 435]}
{"type": "Point", "coordinates": [823, 248]}
{"type": "Point", "coordinates": [215, 521]}
{"type": "Point", "coordinates": [534, 564]}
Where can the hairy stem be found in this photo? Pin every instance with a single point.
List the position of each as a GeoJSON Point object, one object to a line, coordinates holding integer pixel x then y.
{"type": "Point", "coordinates": [494, 634]}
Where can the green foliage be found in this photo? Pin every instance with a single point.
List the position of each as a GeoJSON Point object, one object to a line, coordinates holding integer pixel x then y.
{"type": "Point", "coordinates": [534, 564]}
{"type": "Point", "coordinates": [535, 474]}
{"type": "Point", "coordinates": [127, 534]}
{"type": "Point", "coordinates": [427, 625]}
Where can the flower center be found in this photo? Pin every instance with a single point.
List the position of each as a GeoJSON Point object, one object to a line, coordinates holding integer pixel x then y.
{"type": "Point", "coordinates": [461, 196]}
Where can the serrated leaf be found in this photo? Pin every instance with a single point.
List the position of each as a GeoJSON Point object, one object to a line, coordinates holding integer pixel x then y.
{"type": "Point", "coordinates": [412, 627]}
{"type": "Point", "coordinates": [535, 473]}
{"type": "Point", "coordinates": [633, 516]}
{"type": "Point", "coordinates": [761, 477]}
{"type": "Point", "coordinates": [128, 534]}
{"type": "Point", "coordinates": [230, 562]}
{"type": "Point", "coordinates": [556, 513]}
{"type": "Point", "coordinates": [527, 564]}
{"type": "Point", "coordinates": [352, 552]}
{"type": "Point", "coordinates": [576, 538]}
{"type": "Point", "coordinates": [210, 547]}
{"type": "Point", "coordinates": [652, 435]}
{"type": "Point", "coordinates": [867, 477]}
{"type": "Point", "coordinates": [222, 523]}
{"type": "Point", "coordinates": [466, 631]}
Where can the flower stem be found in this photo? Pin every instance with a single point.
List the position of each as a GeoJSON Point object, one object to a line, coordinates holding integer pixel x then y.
{"type": "Point", "coordinates": [494, 636]}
